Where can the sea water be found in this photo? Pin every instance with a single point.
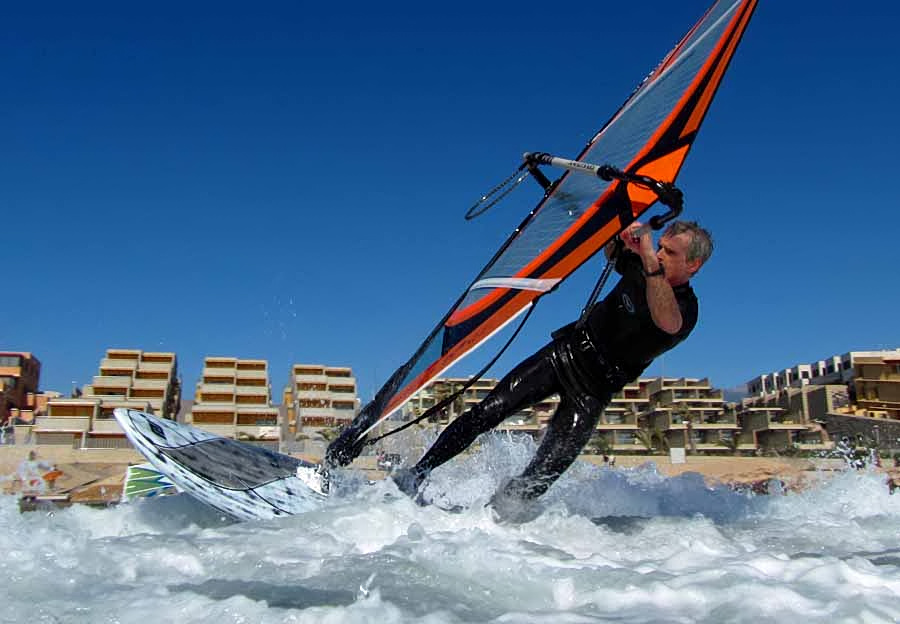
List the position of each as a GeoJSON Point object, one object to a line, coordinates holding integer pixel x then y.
{"type": "Point", "coordinates": [609, 545]}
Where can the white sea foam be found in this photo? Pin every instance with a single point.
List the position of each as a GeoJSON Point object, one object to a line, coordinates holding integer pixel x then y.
{"type": "Point", "coordinates": [609, 545]}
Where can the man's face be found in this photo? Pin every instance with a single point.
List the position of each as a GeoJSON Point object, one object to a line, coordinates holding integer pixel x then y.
{"type": "Point", "coordinates": [672, 254]}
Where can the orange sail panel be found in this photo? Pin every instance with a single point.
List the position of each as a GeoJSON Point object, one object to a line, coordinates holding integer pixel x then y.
{"type": "Point", "coordinates": [651, 134]}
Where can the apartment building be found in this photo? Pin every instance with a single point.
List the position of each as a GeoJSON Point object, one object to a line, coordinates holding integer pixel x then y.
{"type": "Point", "coordinates": [836, 369]}
{"type": "Point", "coordinates": [792, 417]}
{"type": "Point", "coordinates": [320, 397]}
{"type": "Point", "coordinates": [665, 412]}
{"type": "Point", "coordinates": [20, 373]}
{"type": "Point", "coordinates": [233, 399]}
{"type": "Point", "coordinates": [878, 385]}
{"type": "Point", "coordinates": [642, 405]}
{"type": "Point", "coordinates": [690, 413]}
{"type": "Point", "coordinates": [129, 378]}
{"type": "Point", "coordinates": [441, 389]}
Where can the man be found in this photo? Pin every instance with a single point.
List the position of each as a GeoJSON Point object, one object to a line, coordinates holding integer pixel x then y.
{"type": "Point", "coordinates": [649, 311]}
{"type": "Point", "coordinates": [32, 473]}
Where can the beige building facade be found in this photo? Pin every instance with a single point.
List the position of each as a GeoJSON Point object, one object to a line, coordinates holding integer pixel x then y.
{"type": "Point", "coordinates": [659, 413]}
{"type": "Point", "coordinates": [878, 385]}
{"type": "Point", "coordinates": [129, 378]}
{"type": "Point", "coordinates": [835, 369]}
{"type": "Point", "coordinates": [233, 399]}
{"type": "Point", "coordinates": [318, 400]}
{"type": "Point", "coordinates": [689, 413]}
{"type": "Point", "coordinates": [20, 373]}
{"type": "Point", "coordinates": [792, 417]}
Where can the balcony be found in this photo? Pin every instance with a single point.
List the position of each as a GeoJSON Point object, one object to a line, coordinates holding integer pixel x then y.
{"type": "Point", "coordinates": [106, 425]}
{"type": "Point", "coordinates": [155, 367]}
{"type": "Point", "coordinates": [215, 388]}
{"type": "Point", "coordinates": [215, 403]}
{"type": "Point", "coordinates": [150, 384]}
{"type": "Point", "coordinates": [312, 395]}
{"type": "Point", "coordinates": [252, 400]}
{"type": "Point", "coordinates": [117, 368]}
{"type": "Point", "coordinates": [315, 412]}
{"type": "Point", "coordinates": [226, 431]}
{"type": "Point", "coordinates": [264, 410]}
{"type": "Point", "coordinates": [320, 379]}
{"type": "Point", "coordinates": [122, 355]}
{"type": "Point", "coordinates": [344, 381]}
{"type": "Point", "coordinates": [217, 372]}
{"type": "Point", "coordinates": [114, 385]}
{"type": "Point", "coordinates": [72, 407]}
{"type": "Point", "coordinates": [61, 423]}
{"type": "Point", "coordinates": [261, 391]}
{"type": "Point", "coordinates": [205, 419]}
{"type": "Point", "coordinates": [252, 374]}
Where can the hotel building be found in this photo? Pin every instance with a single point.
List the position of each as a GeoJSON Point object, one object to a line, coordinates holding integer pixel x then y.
{"type": "Point", "coordinates": [837, 369]}
{"type": "Point", "coordinates": [791, 417]}
{"type": "Point", "coordinates": [20, 373]}
{"type": "Point", "coordinates": [689, 413]}
{"type": "Point", "coordinates": [317, 399]}
{"type": "Point", "coordinates": [233, 399]}
{"type": "Point", "coordinates": [877, 379]}
{"type": "Point", "coordinates": [129, 378]}
{"type": "Point", "coordinates": [648, 413]}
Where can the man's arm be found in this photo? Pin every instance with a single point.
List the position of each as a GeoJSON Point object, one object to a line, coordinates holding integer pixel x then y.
{"type": "Point", "coordinates": [664, 308]}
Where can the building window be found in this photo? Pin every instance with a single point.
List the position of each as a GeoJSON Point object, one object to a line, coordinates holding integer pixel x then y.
{"type": "Point", "coordinates": [10, 360]}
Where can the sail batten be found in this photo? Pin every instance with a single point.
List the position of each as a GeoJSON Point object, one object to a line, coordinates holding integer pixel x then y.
{"type": "Point", "coordinates": [651, 134]}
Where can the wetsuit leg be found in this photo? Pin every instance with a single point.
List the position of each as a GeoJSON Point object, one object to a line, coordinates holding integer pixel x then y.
{"type": "Point", "coordinates": [531, 381]}
{"type": "Point", "coordinates": [568, 432]}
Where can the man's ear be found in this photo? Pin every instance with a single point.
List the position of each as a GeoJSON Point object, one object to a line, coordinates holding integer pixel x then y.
{"type": "Point", "coordinates": [694, 265]}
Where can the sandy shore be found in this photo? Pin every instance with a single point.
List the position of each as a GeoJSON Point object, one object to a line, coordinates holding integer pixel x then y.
{"type": "Point", "coordinates": [97, 476]}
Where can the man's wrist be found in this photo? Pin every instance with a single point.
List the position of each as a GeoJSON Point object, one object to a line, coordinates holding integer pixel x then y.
{"type": "Point", "coordinates": [659, 271]}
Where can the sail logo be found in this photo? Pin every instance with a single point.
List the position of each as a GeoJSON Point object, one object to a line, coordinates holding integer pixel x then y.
{"type": "Point", "coordinates": [626, 301]}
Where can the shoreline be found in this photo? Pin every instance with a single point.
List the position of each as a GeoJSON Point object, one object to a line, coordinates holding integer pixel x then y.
{"type": "Point", "coordinates": [96, 477]}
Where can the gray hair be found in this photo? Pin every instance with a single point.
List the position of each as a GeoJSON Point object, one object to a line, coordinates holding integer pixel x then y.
{"type": "Point", "coordinates": [701, 245]}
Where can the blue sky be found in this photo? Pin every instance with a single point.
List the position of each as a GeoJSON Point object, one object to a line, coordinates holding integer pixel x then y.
{"type": "Point", "coordinates": [287, 180]}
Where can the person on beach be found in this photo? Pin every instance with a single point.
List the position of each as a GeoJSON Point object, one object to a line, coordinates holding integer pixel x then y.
{"type": "Point", "coordinates": [650, 310]}
{"type": "Point", "coordinates": [31, 473]}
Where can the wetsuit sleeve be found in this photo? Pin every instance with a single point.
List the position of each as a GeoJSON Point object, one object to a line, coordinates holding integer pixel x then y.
{"type": "Point", "coordinates": [628, 262]}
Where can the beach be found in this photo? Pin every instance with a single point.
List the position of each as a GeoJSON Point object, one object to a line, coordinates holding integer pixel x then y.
{"type": "Point", "coordinates": [96, 477]}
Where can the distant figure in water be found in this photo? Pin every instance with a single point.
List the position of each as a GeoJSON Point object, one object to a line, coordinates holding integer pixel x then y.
{"type": "Point", "coordinates": [650, 310]}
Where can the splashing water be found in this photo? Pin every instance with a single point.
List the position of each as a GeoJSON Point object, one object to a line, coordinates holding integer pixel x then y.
{"type": "Point", "coordinates": [609, 545]}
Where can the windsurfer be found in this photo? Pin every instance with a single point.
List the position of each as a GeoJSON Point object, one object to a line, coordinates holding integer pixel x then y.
{"type": "Point", "coordinates": [650, 310]}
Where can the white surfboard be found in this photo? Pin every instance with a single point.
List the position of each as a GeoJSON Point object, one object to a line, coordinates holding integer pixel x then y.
{"type": "Point", "coordinates": [245, 481]}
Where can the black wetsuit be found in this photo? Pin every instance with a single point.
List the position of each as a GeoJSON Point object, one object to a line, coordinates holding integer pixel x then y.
{"type": "Point", "coordinates": [585, 364]}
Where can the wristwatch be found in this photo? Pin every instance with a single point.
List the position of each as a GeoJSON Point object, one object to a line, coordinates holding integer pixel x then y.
{"type": "Point", "coordinates": [660, 271]}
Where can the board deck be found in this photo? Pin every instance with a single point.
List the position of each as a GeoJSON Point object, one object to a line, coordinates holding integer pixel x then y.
{"type": "Point", "coordinates": [245, 481]}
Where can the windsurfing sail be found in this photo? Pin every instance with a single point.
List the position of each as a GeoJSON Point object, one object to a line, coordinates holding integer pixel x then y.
{"type": "Point", "coordinates": [650, 135]}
